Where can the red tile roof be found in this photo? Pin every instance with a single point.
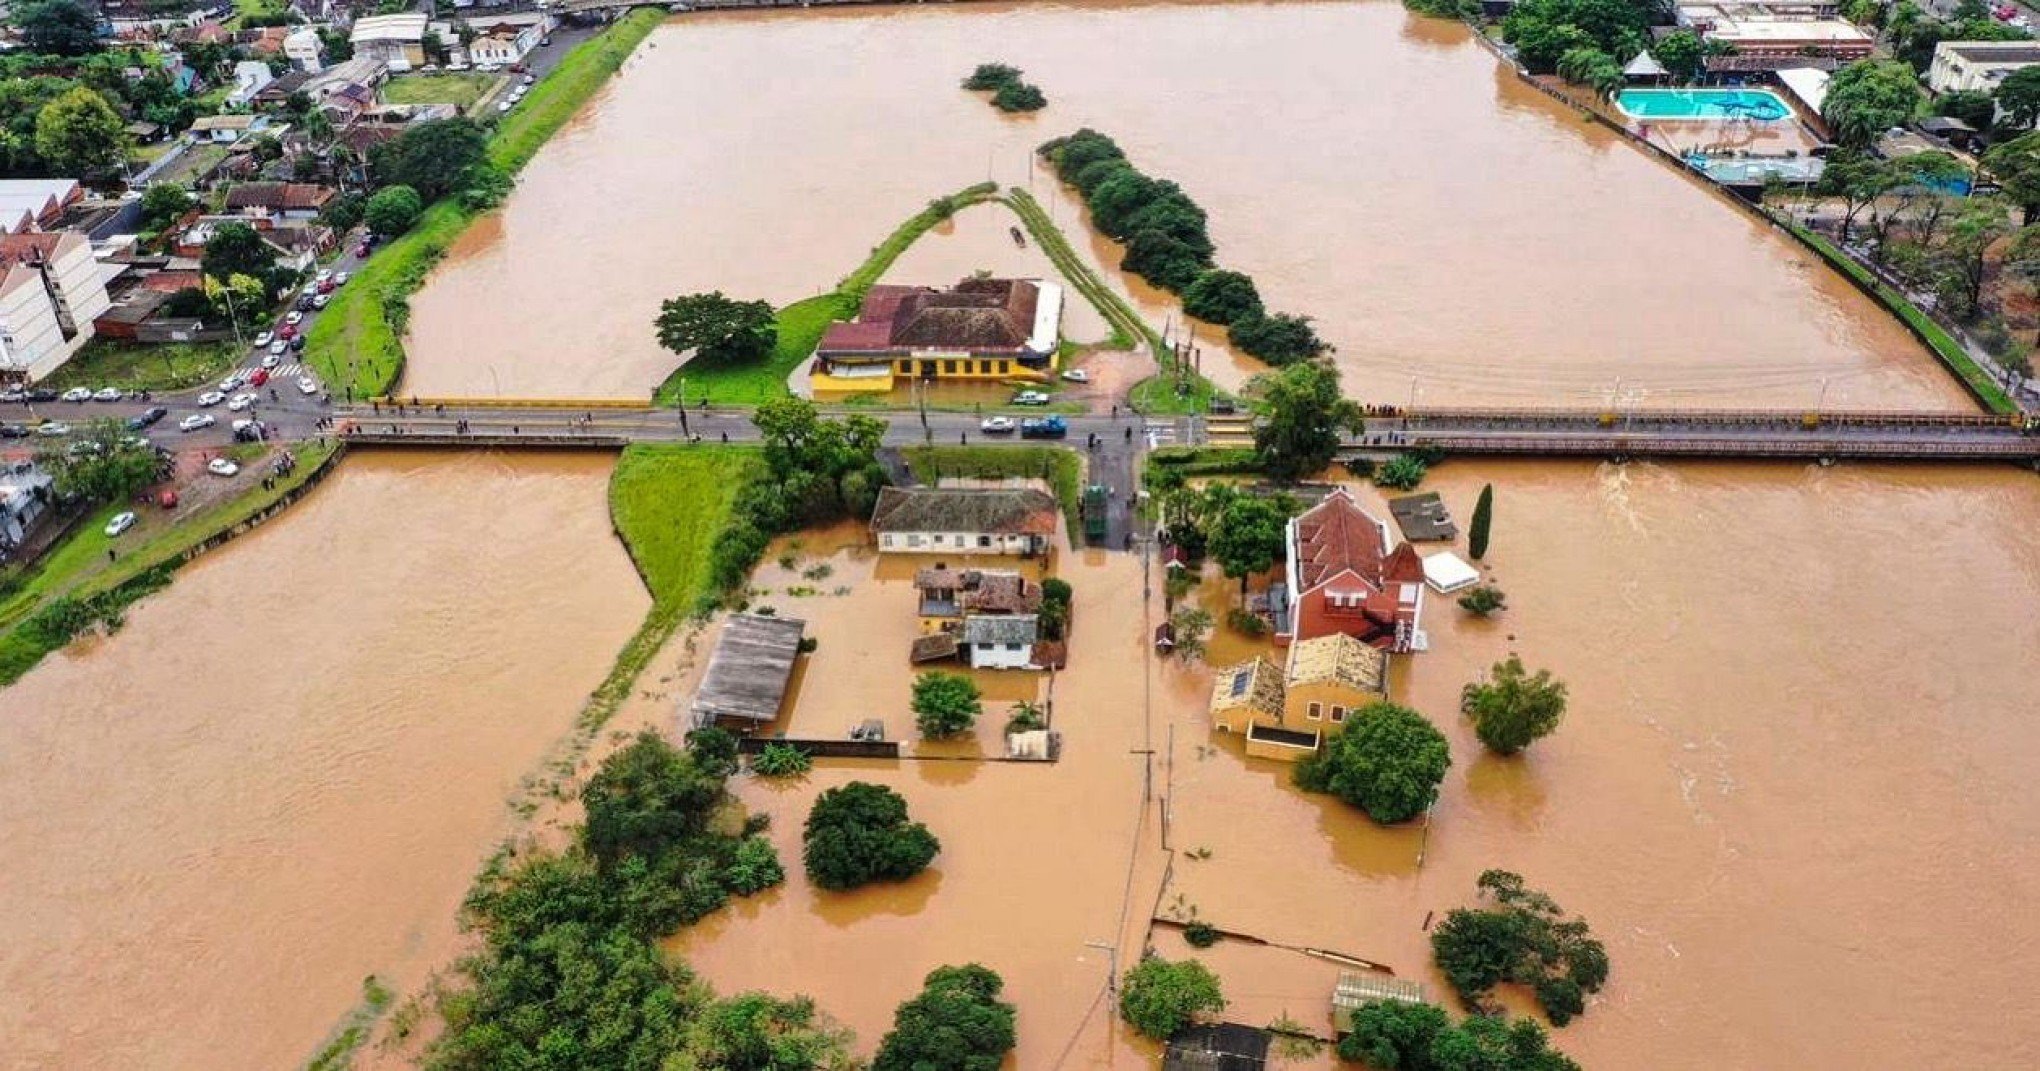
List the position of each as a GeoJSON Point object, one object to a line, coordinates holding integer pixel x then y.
{"type": "Point", "coordinates": [976, 316]}
{"type": "Point", "coordinates": [32, 247]}
{"type": "Point", "coordinates": [1337, 536]}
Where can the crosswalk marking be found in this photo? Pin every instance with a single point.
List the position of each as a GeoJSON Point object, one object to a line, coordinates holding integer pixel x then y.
{"type": "Point", "coordinates": [1160, 433]}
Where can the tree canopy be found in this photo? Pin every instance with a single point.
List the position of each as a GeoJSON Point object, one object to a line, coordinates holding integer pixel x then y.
{"type": "Point", "coordinates": [112, 469]}
{"type": "Point", "coordinates": [719, 329]}
{"type": "Point", "coordinates": [1524, 939]}
{"type": "Point", "coordinates": [1307, 420]}
{"type": "Point", "coordinates": [164, 203]}
{"type": "Point", "coordinates": [1545, 30]}
{"type": "Point", "coordinates": [57, 27]}
{"type": "Point", "coordinates": [433, 157]}
{"type": "Point", "coordinates": [945, 704]}
{"type": "Point", "coordinates": [1160, 997]}
{"type": "Point", "coordinates": [2016, 165]}
{"type": "Point", "coordinates": [1513, 708]}
{"type": "Point", "coordinates": [1868, 97]}
{"type": "Point", "coordinates": [956, 1023]}
{"type": "Point", "coordinates": [1400, 1035]}
{"type": "Point", "coordinates": [645, 800]}
{"type": "Point", "coordinates": [1221, 297]}
{"type": "Point", "coordinates": [1278, 338]}
{"type": "Point", "coordinates": [1387, 761]}
{"type": "Point", "coordinates": [859, 833]}
{"type": "Point", "coordinates": [392, 210]}
{"type": "Point", "coordinates": [1247, 536]}
{"type": "Point", "coordinates": [2019, 96]}
{"type": "Point", "coordinates": [80, 133]}
{"type": "Point", "coordinates": [237, 249]}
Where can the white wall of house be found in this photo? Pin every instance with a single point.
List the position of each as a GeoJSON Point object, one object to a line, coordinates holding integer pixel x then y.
{"type": "Point", "coordinates": [31, 343]}
{"type": "Point", "coordinates": [1001, 655]}
{"type": "Point", "coordinates": [80, 284]}
{"type": "Point", "coordinates": [953, 543]}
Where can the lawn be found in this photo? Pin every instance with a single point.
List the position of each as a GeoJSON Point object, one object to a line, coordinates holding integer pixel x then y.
{"type": "Point", "coordinates": [1061, 467]}
{"type": "Point", "coordinates": [459, 90]}
{"type": "Point", "coordinates": [109, 362]}
{"type": "Point", "coordinates": [669, 504]}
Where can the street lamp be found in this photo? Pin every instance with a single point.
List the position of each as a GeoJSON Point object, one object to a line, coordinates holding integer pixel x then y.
{"type": "Point", "coordinates": [1111, 950]}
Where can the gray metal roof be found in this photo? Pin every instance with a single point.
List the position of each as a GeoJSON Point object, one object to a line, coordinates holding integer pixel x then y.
{"type": "Point", "coordinates": [747, 675]}
{"type": "Point", "coordinates": [1001, 628]}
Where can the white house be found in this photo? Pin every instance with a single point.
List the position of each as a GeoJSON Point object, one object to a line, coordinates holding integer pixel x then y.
{"type": "Point", "coordinates": [956, 520]}
{"type": "Point", "coordinates": [304, 50]}
{"type": "Point", "coordinates": [998, 641]}
{"type": "Point", "coordinates": [249, 78]}
{"type": "Point", "coordinates": [51, 289]}
{"type": "Point", "coordinates": [397, 40]}
{"type": "Point", "coordinates": [1978, 65]}
{"type": "Point", "coordinates": [226, 129]}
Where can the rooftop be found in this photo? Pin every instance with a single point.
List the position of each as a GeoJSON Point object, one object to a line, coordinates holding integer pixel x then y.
{"type": "Point", "coordinates": [405, 26]}
{"type": "Point", "coordinates": [1255, 687]}
{"type": "Point", "coordinates": [2005, 52]}
{"type": "Point", "coordinates": [1337, 536]}
{"type": "Point", "coordinates": [279, 196]}
{"type": "Point", "coordinates": [748, 673]}
{"type": "Point", "coordinates": [1000, 628]}
{"type": "Point", "coordinates": [1338, 658]}
{"type": "Point", "coordinates": [978, 315]}
{"type": "Point", "coordinates": [989, 510]}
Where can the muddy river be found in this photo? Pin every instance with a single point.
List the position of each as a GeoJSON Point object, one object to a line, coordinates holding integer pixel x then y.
{"type": "Point", "coordinates": [281, 776]}
{"type": "Point", "coordinates": [1377, 171]}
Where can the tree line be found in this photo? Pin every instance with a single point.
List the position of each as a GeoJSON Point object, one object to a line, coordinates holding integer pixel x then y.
{"type": "Point", "coordinates": [1167, 244]}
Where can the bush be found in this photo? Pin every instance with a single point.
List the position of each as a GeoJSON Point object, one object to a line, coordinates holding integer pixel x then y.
{"type": "Point", "coordinates": [1278, 338]}
{"type": "Point", "coordinates": [1246, 622]}
{"type": "Point", "coordinates": [646, 799]}
{"type": "Point", "coordinates": [859, 833]}
{"type": "Point", "coordinates": [393, 210]}
{"type": "Point", "coordinates": [1387, 761]}
{"type": "Point", "coordinates": [1222, 297]}
{"type": "Point", "coordinates": [754, 868]}
{"type": "Point", "coordinates": [1526, 940]}
{"type": "Point", "coordinates": [1403, 472]}
{"type": "Point", "coordinates": [1513, 708]}
{"type": "Point", "coordinates": [1019, 97]}
{"type": "Point", "coordinates": [990, 76]}
{"type": "Point", "coordinates": [1201, 934]}
{"type": "Point", "coordinates": [956, 1023]}
{"type": "Point", "coordinates": [781, 760]}
{"type": "Point", "coordinates": [1484, 600]}
{"type": "Point", "coordinates": [1026, 718]}
{"type": "Point", "coordinates": [1483, 520]}
{"type": "Point", "coordinates": [713, 750]}
{"type": "Point", "coordinates": [1160, 997]}
{"type": "Point", "coordinates": [945, 704]}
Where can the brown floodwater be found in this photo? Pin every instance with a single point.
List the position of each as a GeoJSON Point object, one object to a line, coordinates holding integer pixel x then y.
{"type": "Point", "coordinates": [1375, 170]}
{"type": "Point", "coordinates": [281, 776]}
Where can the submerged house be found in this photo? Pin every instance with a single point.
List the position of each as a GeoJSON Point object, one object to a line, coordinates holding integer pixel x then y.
{"type": "Point", "coordinates": [1285, 713]}
{"type": "Point", "coordinates": [965, 520]}
{"type": "Point", "coordinates": [749, 672]}
{"type": "Point", "coordinates": [1346, 575]}
{"type": "Point", "coordinates": [987, 618]}
{"type": "Point", "coordinates": [980, 329]}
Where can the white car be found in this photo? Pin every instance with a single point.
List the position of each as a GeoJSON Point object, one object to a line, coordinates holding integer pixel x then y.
{"type": "Point", "coordinates": [294, 318]}
{"type": "Point", "coordinates": [106, 394]}
{"type": "Point", "coordinates": [262, 339]}
{"type": "Point", "coordinates": [321, 301]}
{"type": "Point", "coordinates": [324, 274]}
{"type": "Point", "coordinates": [196, 421]}
{"type": "Point", "coordinates": [504, 105]}
{"type": "Point", "coordinates": [220, 466]}
{"type": "Point", "coordinates": [307, 385]}
{"type": "Point", "coordinates": [271, 360]}
{"type": "Point", "coordinates": [278, 348]}
{"type": "Point", "coordinates": [340, 278]}
{"type": "Point", "coordinates": [241, 401]}
{"type": "Point", "coordinates": [121, 522]}
{"type": "Point", "coordinates": [1030, 397]}
{"type": "Point", "coordinates": [231, 383]}
{"type": "Point", "coordinates": [13, 394]}
{"type": "Point", "coordinates": [529, 79]}
{"type": "Point", "coordinates": [1077, 375]}
{"type": "Point", "coordinates": [53, 429]}
{"type": "Point", "coordinates": [210, 398]}
{"type": "Point", "coordinates": [996, 425]}
{"type": "Point", "coordinates": [78, 394]}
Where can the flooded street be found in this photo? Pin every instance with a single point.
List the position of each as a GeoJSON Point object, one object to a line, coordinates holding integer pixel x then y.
{"type": "Point", "coordinates": [282, 775]}
{"type": "Point", "coordinates": [1377, 171]}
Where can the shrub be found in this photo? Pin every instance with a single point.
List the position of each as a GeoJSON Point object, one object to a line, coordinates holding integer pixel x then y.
{"type": "Point", "coordinates": [1403, 472]}
{"type": "Point", "coordinates": [1387, 761]}
{"type": "Point", "coordinates": [1484, 600]}
{"type": "Point", "coordinates": [1026, 718]}
{"type": "Point", "coordinates": [1222, 297]}
{"type": "Point", "coordinates": [1277, 338]}
{"type": "Point", "coordinates": [781, 760]}
{"type": "Point", "coordinates": [754, 867]}
{"type": "Point", "coordinates": [1524, 939]}
{"type": "Point", "coordinates": [859, 833]}
{"type": "Point", "coordinates": [1483, 520]}
{"type": "Point", "coordinates": [393, 210]}
{"type": "Point", "coordinates": [713, 750]}
{"type": "Point", "coordinates": [956, 1023]}
{"type": "Point", "coordinates": [1160, 997]}
{"type": "Point", "coordinates": [1019, 97]}
{"type": "Point", "coordinates": [1513, 708]}
{"type": "Point", "coordinates": [1246, 622]}
{"type": "Point", "coordinates": [1201, 934]}
{"type": "Point", "coordinates": [990, 76]}
{"type": "Point", "coordinates": [945, 704]}
{"type": "Point", "coordinates": [646, 799]}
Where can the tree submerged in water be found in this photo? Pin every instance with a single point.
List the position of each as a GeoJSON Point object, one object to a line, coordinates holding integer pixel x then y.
{"type": "Point", "coordinates": [1524, 939]}
{"type": "Point", "coordinates": [1009, 92]}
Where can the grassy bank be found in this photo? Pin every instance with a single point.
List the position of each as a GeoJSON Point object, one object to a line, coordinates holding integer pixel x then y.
{"type": "Point", "coordinates": [357, 344]}
{"type": "Point", "coordinates": [109, 362]}
{"type": "Point", "coordinates": [75, 586]}
{"type": "Point", "coordinates": [801, 324]}
{"type": "Point", "coordinates": [1061, 467]}
{"type": "Point", "coordinates": [668, 504]}
{"type": "Point", "coordinates": [459, 90]}
{"type": "Point", "coordinates": [1944, 345]}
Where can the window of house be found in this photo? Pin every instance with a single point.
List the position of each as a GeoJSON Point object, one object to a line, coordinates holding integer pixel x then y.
{"type": "Point", "coordinates": [1012, 647]}
{"type": "Point", "coordinates": [1409, 594]}
{"type": "Point", "coordinates": [1338, 713]}
{"type": "Point", "coordinates": [1314, 712]}
{"type": "Point", "coordinates": [984, 541]}
{"type": "Point", "coordinates": [913, 541]}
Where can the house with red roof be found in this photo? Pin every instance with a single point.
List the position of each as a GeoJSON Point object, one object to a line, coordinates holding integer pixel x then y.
{"type": "Point", "coordinates": [1346, 574]}
{"type": "Point", "coordinates": [980, 329]}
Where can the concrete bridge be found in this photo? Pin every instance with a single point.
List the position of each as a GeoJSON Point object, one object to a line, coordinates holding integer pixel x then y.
{"type": "Point", "coordinates": [577, 7]}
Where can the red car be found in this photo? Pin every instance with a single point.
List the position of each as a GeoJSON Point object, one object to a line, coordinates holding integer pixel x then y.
{"type": "Point", "coordinates": [326, 287]}
{"type": "Point", "coordinates": [258, 377]}
{"type": "Point", "coordinates": [361, 250]}
{"type": "Point", "coordinates": [287, 332]}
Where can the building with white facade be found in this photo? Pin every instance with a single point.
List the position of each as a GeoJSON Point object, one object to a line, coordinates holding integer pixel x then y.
{"type": "Point", "coordinates": [51, 289]}
{"type": "Point", "coordinates": [304, 50]}
{"type": "Point", "coordinates": [1961, 66]}
{"type": "Point", "coordinates": [396, 40]}
{"type": "Point", "coordinates": [975, 520]}
{"type": "Point", "coordinates": [249, 78]}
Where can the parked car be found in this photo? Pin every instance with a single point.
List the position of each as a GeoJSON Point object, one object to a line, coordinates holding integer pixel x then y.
{"type": "Point", "coordinates": [196, 421]}
{"type": "Point", "coordinates": [13, 394]}
{"type": "Point", "coordinates": [1052, 427]}
{"type": "Point", "coordinates": [529, 79]}
{"type": "Point", "coordinates": [504, 105]}
{"type": "Point", "coordinates": [231, 383]}
{"type": "Point", "coordinates": [262, 339]}
{"type": "Point", "coordinates": [271, 360]}
{"type": "Point", "coordinates": [78, 394]}
{"type": "Point", "coordinates": [297, 345]}
{"type": "Point", "coordinates": [325, 275]}
{"type": "Point", "coordinates": [240, 401]}
{"type": "Point", "coordinates": [41, 394]}
{"type": "Point", "coordinates": [121, 522]}
{"type": "Point", "coordinates": [321, 301]}
{"type": "Point", "coordinates": [307, 385]}
{"type": "Point", "coordinates": [1030, 397]}
{"type": "Point", "coordinates": [294, 318]}
{"type": "Point", "coordinates": [14, 431]}
{"type": "Point", "coordinates": [277, 346]}
{"type": "Point", "coordinates": [86, 448]}
{"type": "Point", "coordinates": [210, 398]}
{"type": "Point", "coordinates": [1077, 375]}
{"type": "Point", "coordinates": [361, 250]}
{"type": "Point", "coordinates": [997, 425]}
{"type": "Point", "coordinates": [106, 394]}
{"type": "Point", "coordinates": [50, 429]}
{"type": "Point", "coordinates": [325, 287]}
{"type": "Point", "coordinates": [147, 417]}
{"type": "Point", "coordinates": [303, 303]}
{"type": "Point", "coordinates": [258, 377]}
{"type": "Point", "coordinates": [287, 331]}
{"type": "Point", "coordinates": [247, 431]}
{"type": "Point", "coordinates": [220, 466]}
{"type": "Point", "coordinates": [340, 278]}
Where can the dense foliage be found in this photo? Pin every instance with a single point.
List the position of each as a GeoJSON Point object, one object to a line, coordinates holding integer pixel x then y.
{"type": "Point", "coordinates": [1387, 761]}
{"type": "Point", "coordinates": [1398, 1035]}
{"type": "Point", "coordinates": [392, 210]}
{"type": "Point", "coordinates": [164, 203]}
{"type": "Point", "coordinates": [1483, 522]}
{"type": "Point", "coordinates": [1160, 997]}
{"type": "Point", "coordinates": [1246, 537]}
{"type": "Point", "coordinates": [945, 704]}
{"type": "Point", "coordinates": [1868, 97]}
{"type": "Point", "coordinates": [1009, 92]}
{"type": "Point", "coordinates": [781, 760]}
{"type": "Point", "coordinates": [859, 833]}
{"type": "Point", "coordinates": [1543, 31]}
{"type": "Point", "coordinates": [816, 470]}
{"type": "Point", "coordinates": [1484, 600]}
{"type": "Point", "coordinates": [1055, 607]}
{"type": "Point", "coordinates": [1524, 939]}
{"type": "Point", "coordinates": [1513, 708]}
{"type": "Point", "coordinates": [1403, 472]}
{"type": "Point", "coordinates": [104, 464]}
{"type": "Point", "coordinates": [31, 81]}
{"type": "Point", "coordinates": [1591, 67]}
{"type": "Point", "coordinates": [720, 330]}
{"type": "Point", "coordinates": [435, 157]}
{"type": "Point", "coordinates": [1307, 420]}
{"type": "Point", "coordinates": [956, 1023]}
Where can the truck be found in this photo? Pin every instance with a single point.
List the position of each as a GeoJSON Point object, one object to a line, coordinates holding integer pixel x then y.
{"type": "Point", "coordinates": [1049, 427]}
{"type": "Point", "coordinates": [1096, 503]}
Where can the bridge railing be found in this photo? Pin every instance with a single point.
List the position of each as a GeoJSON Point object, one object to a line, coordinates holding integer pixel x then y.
{"type": "Point", "coordinates": [1710, 446]}
{"type": "Point", "coordinates": [1609, 417]}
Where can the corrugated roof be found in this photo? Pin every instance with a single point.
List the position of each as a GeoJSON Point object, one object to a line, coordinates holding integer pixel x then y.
{"type": "Point", "coordinates": [991, 511]}
{"type": "Point", "coordinates": [747, 675]}
{"type": "Point", "coordinates": [1001, 628]}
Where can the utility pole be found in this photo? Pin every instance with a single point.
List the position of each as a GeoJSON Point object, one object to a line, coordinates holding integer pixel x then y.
{"type": "Point", "coordinates": [1111, 982]}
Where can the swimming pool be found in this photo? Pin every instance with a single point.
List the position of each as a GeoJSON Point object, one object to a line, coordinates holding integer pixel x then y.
{"type": "Point", "coordinates": [1710, 104]}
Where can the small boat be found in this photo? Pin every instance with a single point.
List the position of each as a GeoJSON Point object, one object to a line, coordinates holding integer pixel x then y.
{"type": "Point", "coordinates": [1019, 236]}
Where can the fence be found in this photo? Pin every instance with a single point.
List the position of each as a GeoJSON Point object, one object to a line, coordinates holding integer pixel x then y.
{"type": "Point", "coordinates": [824, 749]}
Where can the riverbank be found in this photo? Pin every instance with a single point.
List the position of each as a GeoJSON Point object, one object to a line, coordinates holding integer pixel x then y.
{"type": "Point", "coordinates": [357, 345]}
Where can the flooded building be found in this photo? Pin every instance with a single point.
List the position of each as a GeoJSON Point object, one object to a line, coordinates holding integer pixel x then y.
{"type": "Point", "coordinates": [1285, 714]}
{"type": "Point", "coordinates": [958, 520]}
{"type": "Point", "coordinates": [977, 330]}
{"type": "Point", "coordinates": [748, 674]}
{"type": "Point", "coordinates": [1346, 576]}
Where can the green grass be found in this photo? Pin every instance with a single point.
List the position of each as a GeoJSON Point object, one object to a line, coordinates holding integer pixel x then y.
{"type": "Point", "coordinates": [1061, 467]}
{"type": "Point", "coordinates": [1206, 460]}
{"type": "Point", "coordinates": [801, 324]}
{"type": "Point", "coordinates": [669, 503]}
{"type": "Point", "coordinates": [357, 345]}
{"type": "Point", "coordinates": [110, 362]}
{"type": "Point", "coordinates": [79, 568]}
{"type": "Point", "coordinates": [337, 1054]}
{"type": "Point", "coordinates": [459, 90]}
{"type": "Point", "coordinates": [1944, 345]}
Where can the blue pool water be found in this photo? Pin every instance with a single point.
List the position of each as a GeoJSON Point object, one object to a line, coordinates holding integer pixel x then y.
{"type": "Point", "coordinates": [1711, 104]}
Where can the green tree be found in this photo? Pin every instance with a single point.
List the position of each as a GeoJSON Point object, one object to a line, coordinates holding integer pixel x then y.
{"type": "Point", "coordinates": [746, 1032]}
{"type": "Point", "coordinates": [1592, 68]}
{"type": "Point", "coordinates": [1483, 522]}
{"type": "Point", "coordinates": [1176, 215]}
{"type": "Point", "coordinates": [1972, 106]}
{"type": "Point", "coordinates": [781, 760]}
{"type": "Point", "coordinates": [79, 133]}
{"type": "Point", "coordinates": [1077, 151]}
{"type": "Point", "coordinates": [1980, 226]}
{"type": "Point", "coordinates": [392, 210]}
{"type": "Point", "coordinates": [344, 211]}
{"type": "Point", "coordinates": [859, 833]}
{"type": "Point", "coordinates": [1387, 761]}
{"type": "Point", "coordinates": [1191, 626]}
{"type": "Point", "coordinates": [1277, 338]}
{"type": "Point", "coordinates": [2016, 165]}
{"type": "Point", "coordinates": [1394, 1035]}
{"type": "Point", "coordinates": [1221, 297]}
{"type": "Point", "coordinates": [1160, 997]}
{"type": "Point", "coordinates": [237, 249]}
{"type": "Point", "coordinates": [1306, 422]}
{"type": "Point", "coordinates": [2019, 96]}
{"type": "Point", "coordinates": [645, 800]}
{"type": "Point", "coordinates": [714, 750]}
{"type": "Point", "coordinates": [57, 27]}
{"type": "Point", "coordinates": [1513, 708]}
{"type": "Point", "coordinates": [432, 157]}
{"type": "Point", "coordinates": [1868, 97]}
{"type": "Point", "coordinates": [1524, 939]}
{"type": "Point", "coordinates": [1484, 600]}
{"type": "Point", "coordinates": [754, 867]}
{"type": "Point", "coordinates": [111, 469]}
{"type": "Point", "coordinates": [1544, 30]}
{"type": "Point", "coordinates": [1491, 1044]}
{"type": "Point", "coordinates": [1858, 179]}
{"type": "Point", "coordinates": [1163, 260]}
{"type": "Point", "coordinates": [1403, 472]}
{"type": "Point", "coordinates": [165, 203]}
{"type": "Point", "coordinates": [1019, 97]}
{"type": "Point", "coordinates": [1114, 201]}
{"type": "Point", "coordinates": [945, 704]}
{"type": "Point", "coordinates": [956, 1023]}
{"type": "Point", "coordinates": [1683, 54]}
{"type": "Point", "coordinates": [1247, 538]}
{"type": "Point", "coordinates": [719, 329]}
{"type": "Point", "coordinates": [990, 76]}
